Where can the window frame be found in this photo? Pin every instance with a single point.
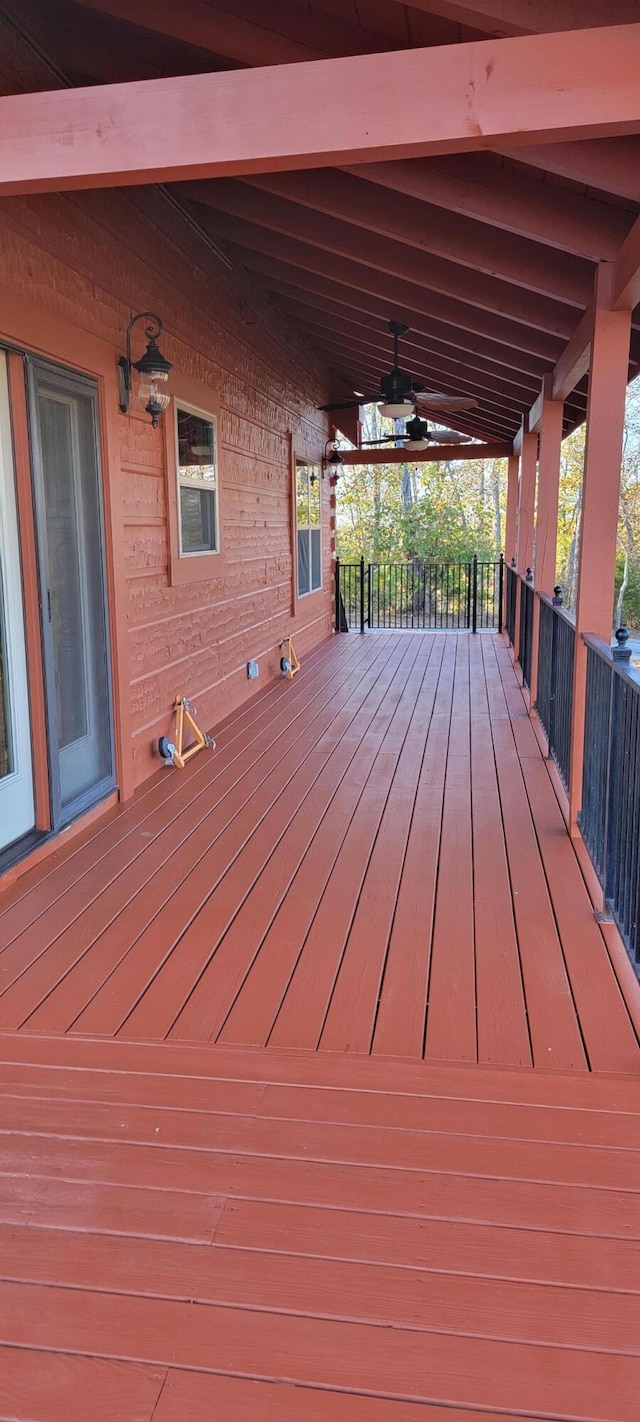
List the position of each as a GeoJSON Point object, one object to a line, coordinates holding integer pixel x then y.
{"type": "Point", "coordinates": [201, 565]}
{"type": "Point", "coordinates": [184, 407]}
{"type": "Point", "coordinates": [299, 460]}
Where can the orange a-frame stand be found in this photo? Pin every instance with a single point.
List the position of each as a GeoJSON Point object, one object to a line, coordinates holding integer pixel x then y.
{"type": "Point", "coordinates": [289, 663]}
{"type": "Point", "coordinates": [176, 754]}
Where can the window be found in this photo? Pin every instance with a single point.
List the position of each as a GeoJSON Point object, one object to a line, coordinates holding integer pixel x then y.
{"type": "Point", "coordinates": [308, 527]}
{"type": "Point", "coordinates": [197, 460]}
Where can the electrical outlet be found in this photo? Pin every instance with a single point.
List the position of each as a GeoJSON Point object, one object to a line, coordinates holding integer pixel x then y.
{"type": "Point", "coordinates": [253, 670]}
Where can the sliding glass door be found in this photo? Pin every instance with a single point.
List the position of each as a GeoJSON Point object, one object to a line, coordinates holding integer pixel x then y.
{"type": "Point", "coordinates": [72, 587]}
{"type": "Point", "coordinates": [17, 813]}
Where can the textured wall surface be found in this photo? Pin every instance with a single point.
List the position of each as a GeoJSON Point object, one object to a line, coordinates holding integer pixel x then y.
{"type": "Point", "coordinates": [93, 259]}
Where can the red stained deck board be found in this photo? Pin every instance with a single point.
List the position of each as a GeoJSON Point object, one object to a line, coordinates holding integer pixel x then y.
{"type": "Point", "coordinates": [440, 1245]}
{"type": "Point", "coordinates": [242, 947]}
{"type": "Point", "coordinates": [554, 1028]}
{"type": "Point", "coordinates": [458, 1114]}
{"type": "Point", "coordinates": [121, 905]}
{"type": "Point", "coordinates": [196, 1064]}
{"type": "Point", "coordinates": [403, 1003]}
{"type": "Point", "coordinates": [42, 1387]}
{"type": "Point", "coordinates": [373, 872]}
{"type": "Point", "coordinates": [34, 894]}
{"type": "Point", "coordinates": [405, 1364]}
{"type": "Point", "coordinates": [157, 1214]}
{"type": "Point", "coordinates": [302, 1017]}
{"type": "Point", "coordinates": [503, 1030]}
{"type": "Point", "coordinates": [451, 1015]}
{"type": "Point", "coordinates": [351, 1017]}
{"type": "Point", "coordinates": [201, 1398]}
{"type": "Point", "coordinates": [412, 1193]}
{"type": "Point", "coordinates": [131, 951]}
{"type": "Point", "coordinates": [278, 1137]}
{"type": "Point", "coordinates": [254, 1013]}
{"type": "Point", "coordinates": [427, 1301]}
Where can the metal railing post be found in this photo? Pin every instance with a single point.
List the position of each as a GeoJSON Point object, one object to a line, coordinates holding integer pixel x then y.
{"type": "Point", "coordinates": [337, 595]}
{"type": "Point", "coordinates": [369, 596]}
{"type": "Point", "coordinates": [362, 594]}
{"type": "Point", "coordinates": [501, 593]}
{"type": "Point", "coordinates": [474, 596]}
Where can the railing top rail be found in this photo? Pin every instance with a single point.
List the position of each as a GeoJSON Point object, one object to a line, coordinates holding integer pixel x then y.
{"type": "Point", "coordinates": [604, 650]}
{"type": "Point", "coordinates": [557, 608]}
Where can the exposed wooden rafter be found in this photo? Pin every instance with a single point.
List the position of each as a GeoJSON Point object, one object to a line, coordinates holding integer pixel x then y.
{"type": "Point", "coordinates": [510, 92]}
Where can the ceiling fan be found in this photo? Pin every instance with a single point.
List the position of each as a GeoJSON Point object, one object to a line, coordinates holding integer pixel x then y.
{"type": "Point", "coordinates": [399, 392]}
{"type": "Point", "coordinates": [418, 435]}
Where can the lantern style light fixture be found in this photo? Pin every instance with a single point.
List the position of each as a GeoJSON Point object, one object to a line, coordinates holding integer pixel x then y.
{"type": "Point", "coordinates": [332, 462]}
{"type": "Point", "coordinates": [153, 369]}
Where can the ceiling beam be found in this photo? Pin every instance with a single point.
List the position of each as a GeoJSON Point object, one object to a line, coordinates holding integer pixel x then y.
{"type": "Point", "coordinates": [524, 17]}
{"type": "Point", "coordinates": [454, 98]}
{"type": "Point", "coordinates": [411, 356]}
{"type": "Point", "coordinates": [436, 232]}
{"type": "Point", "coordinates": [337, 317]}
{"type": "Point", "coordinates": [382, 254]}
{"type": "Point", "coordinates": [476, 187]}
{"type": "Point", "coordinates": [406, 303]}
{"type": "Point", "coordinates": [439, 454]}
{"type": "Point", "coordinates": [248, 33]}
{"type": "Point", "coordinates": [612, 165]}
{"type": "Point", "coordinates": [626, 272]}
{"type": "Point", "coordinates": [393, 290]}
{"type": "Point", "coordinates": [301, 284]}
{"type": "Point", "coordinates": [574, 361]}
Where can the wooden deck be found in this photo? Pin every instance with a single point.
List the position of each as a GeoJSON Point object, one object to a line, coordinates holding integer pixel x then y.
{"type": "Point", "coordinates": [372, 861]}
{"type": "Point", "coordinates": [257, 1236]}
{"type": "Point", "coordinates": [293, 1225]}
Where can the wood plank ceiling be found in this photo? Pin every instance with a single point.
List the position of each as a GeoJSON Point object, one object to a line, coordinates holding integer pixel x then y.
{"type": "Point", "coordinates": [488, 257]}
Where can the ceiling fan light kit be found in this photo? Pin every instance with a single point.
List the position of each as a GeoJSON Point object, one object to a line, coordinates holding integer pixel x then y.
{"type": "Point", "coordinates": [399, 411]}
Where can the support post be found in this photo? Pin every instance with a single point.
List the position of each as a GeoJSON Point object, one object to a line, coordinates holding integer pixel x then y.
{"type": "Point", "coordinates": [526, 506]}
{"type": "Point", "coordinates": [546, 537]}
{"type": "Point", "coordinates": [600, 500]}
{"type": "Point", "coordinates": [511, 523]}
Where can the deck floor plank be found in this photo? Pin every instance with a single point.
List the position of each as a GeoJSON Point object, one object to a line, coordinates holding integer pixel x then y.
{"type": "Point", "coordinates": [212, 1231]}
{"type": "Point", "coordinates": [372, 862]}
{"type": "Point", "coordinates": [451, 1017]}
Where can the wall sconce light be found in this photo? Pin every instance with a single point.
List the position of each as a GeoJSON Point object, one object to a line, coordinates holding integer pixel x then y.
{"type": "Point", "coordinates": [332, 463]}
{"type": "Point", "coordinates": [153, 369]}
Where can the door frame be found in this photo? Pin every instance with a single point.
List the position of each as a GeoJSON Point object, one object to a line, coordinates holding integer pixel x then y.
{"type": "Point", "coordinates": [86, 386]}
{"type": "Point", "coordinates": [29, 330]}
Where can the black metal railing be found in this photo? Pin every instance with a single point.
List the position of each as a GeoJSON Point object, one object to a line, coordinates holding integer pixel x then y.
{"type": "Point", "coordinates": [512, 593]}
{"type": "Point", "coordinates": [610, 815]}
{"type": "Point", "coordinates": [350, 596]}
{"type": "Point", "coordinates": [554, 691]}
{"type": "Point", "coordinates": [420, 596]}
{"type": "Point", "coordinates": [525, 641]}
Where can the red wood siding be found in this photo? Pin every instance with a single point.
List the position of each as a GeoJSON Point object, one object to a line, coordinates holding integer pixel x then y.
{"type": "Point", "coordinates": [92, 259]}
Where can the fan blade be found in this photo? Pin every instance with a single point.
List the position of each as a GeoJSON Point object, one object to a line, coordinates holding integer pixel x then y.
{"type": "Point", "coordinates": [343, 405]}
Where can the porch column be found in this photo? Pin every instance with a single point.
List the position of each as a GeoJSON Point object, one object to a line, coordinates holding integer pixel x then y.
{"type": "Point", "coordinates": [511, 522]}
{"type": "Point", "coordinates": [526, 506]}
{"type": "Point", "coordinates": [510, 525]}
{"type": "Point", "coordinates": [546, 539]}
{"type": "Point", "coordinates": [600, 499]}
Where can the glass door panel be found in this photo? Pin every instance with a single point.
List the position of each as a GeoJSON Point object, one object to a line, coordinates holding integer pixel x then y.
{"type": "Point", "coordinates": [17, 812]}
{"type": "Point", "coordinates": [68, 500]}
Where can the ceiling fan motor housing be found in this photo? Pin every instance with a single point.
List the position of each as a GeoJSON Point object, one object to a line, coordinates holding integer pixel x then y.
{"type": "Point", "coordinates": [395, 387]}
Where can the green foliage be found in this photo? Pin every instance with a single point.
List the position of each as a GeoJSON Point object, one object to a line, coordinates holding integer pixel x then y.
{"type": "Point", "coordinates": [436, 512]}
